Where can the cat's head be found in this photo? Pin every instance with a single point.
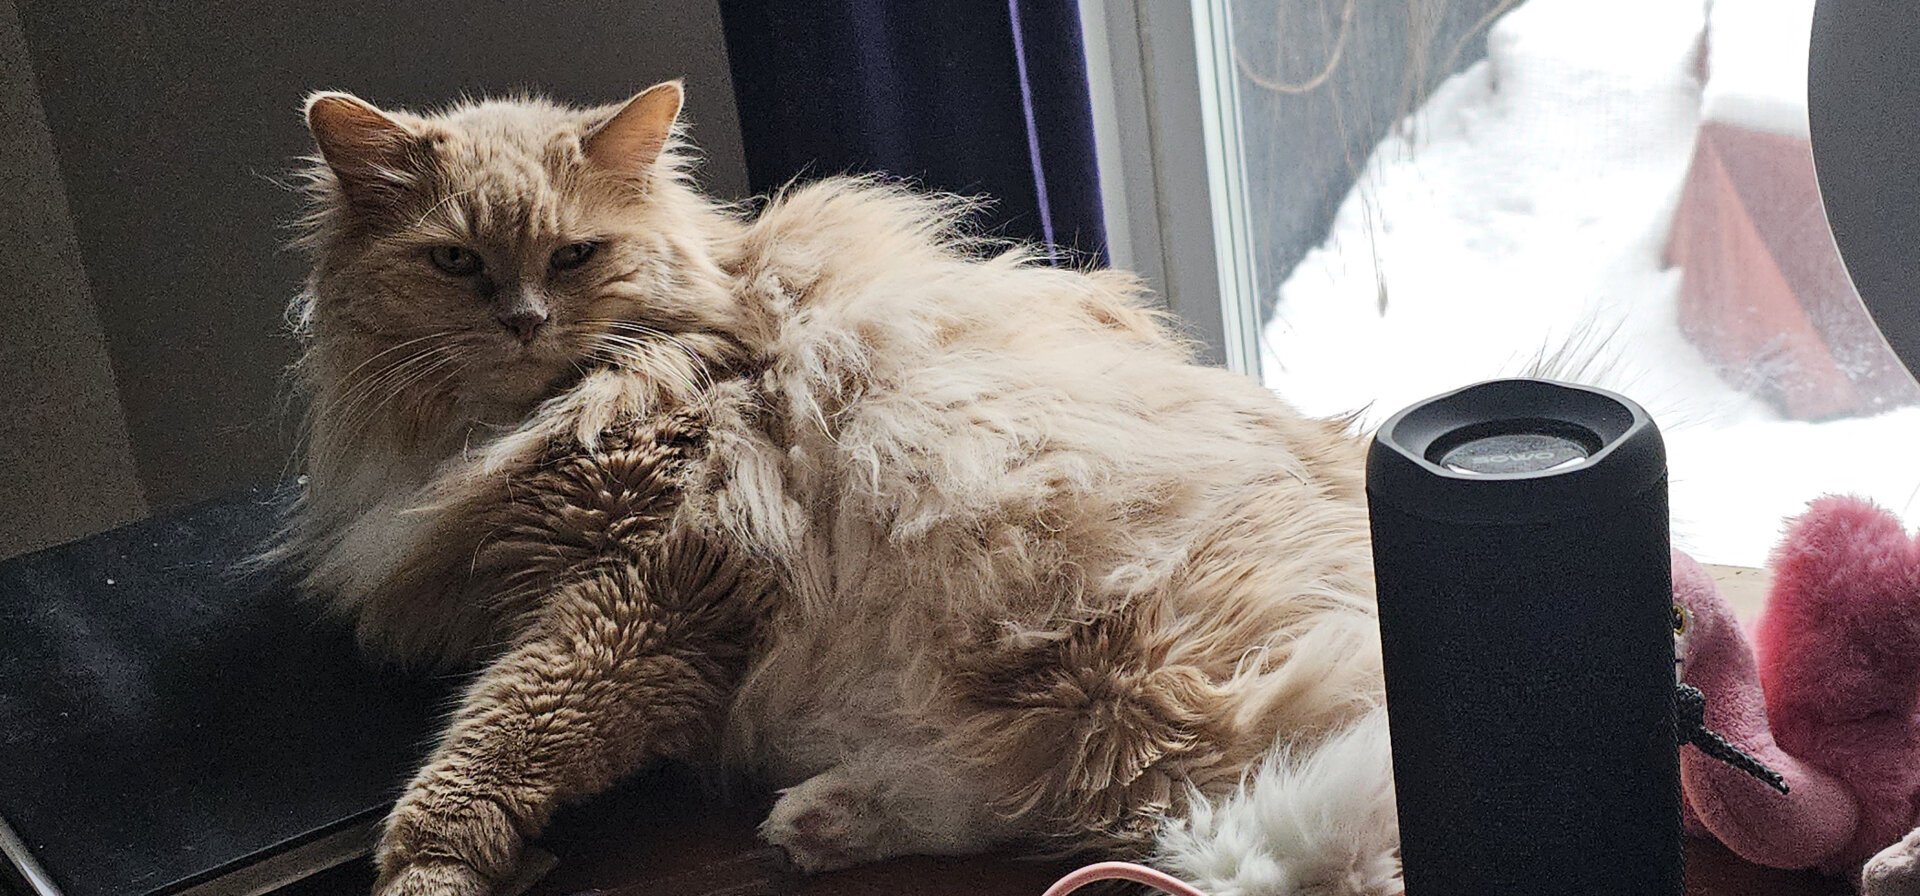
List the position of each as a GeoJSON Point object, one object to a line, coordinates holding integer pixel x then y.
{"type": "Point", "coordinates": [472, 261]}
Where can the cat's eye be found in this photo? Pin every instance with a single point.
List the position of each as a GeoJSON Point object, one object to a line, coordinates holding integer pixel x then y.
{"type": "Point", "coordinates": [1682, 620]}
{"type": "Point", "coordinates": [455, 260]}
{"type": "Point", "coordinates": [572, 255]}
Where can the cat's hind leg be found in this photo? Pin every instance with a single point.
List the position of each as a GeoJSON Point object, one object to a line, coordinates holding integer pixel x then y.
{"type": "Point", "coordinates": [882, 803]}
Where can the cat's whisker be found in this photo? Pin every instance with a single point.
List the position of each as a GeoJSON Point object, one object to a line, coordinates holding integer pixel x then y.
{"type": "Point", "coordinates": [402, 388]}
{"type": "Point", "coordinates": [390, 350]}
{"type": "Point", "coordinates": [627, 348]}
{"type": "Point", "coordinates": [349, 376]}
{"type": "Point", "coordinates": [700, 363]}
{"type": "Point", "coordinates": [394, 382]}
{"type": "Point", "coordinates": [454, 374]}
{"type": "Point", "coordinates": [399, 390]}
{"type": "Point", "coordinates": [636, 361]}
{"type": "Point", "coordinates": [699, 369]}
{"type": "Point", "coordinates": [361, 383]}
{"type": "Point", "coordinates": [371, 386]}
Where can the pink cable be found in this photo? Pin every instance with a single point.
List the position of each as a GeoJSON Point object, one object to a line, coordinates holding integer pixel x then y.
{"type": "Point", "coordinates": [1128, 871]}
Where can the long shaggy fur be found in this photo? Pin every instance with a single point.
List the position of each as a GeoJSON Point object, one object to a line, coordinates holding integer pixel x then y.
{"type": "Point", "coordinates": [1291, 828]}
{"type": "Point", "coordinates": [962, 550]}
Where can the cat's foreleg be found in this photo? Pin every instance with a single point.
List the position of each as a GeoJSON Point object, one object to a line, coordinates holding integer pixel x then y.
{"type": "Point", "coordinates": [607, 679]}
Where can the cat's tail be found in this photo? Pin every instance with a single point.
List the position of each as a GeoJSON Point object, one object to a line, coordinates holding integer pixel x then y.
{"type": "Point", "coordinates": [1308, 822]}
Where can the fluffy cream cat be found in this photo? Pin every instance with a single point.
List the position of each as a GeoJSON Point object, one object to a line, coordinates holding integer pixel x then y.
{"type": "Point", "coordinates": [961, 550]}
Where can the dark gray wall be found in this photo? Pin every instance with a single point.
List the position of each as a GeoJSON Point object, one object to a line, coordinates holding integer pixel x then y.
{"type": "Point", "coordinates": [1307, 142]}
{"type": "Point", "coordinates": [65, 463]}
{"type": "Point", "coordinates": [168, 121]}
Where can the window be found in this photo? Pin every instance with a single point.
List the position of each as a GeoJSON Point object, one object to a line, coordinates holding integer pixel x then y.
{"type": "Point", "coordinates": [1402, 198]}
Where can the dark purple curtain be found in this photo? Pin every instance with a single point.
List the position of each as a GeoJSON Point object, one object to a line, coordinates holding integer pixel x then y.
{"type": "Point", "coordinates": [971, 96]}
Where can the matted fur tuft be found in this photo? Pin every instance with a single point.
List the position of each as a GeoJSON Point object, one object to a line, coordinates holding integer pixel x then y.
{"type": "Point", "coordinates": [961, 549]}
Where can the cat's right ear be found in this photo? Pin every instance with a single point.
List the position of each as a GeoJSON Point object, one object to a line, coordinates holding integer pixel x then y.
{"type": "Point", "coordinates": [368, 150]}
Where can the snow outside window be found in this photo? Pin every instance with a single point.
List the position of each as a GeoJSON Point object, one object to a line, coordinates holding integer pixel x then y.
{"type": "Point", "coordinates": [1616, 192]}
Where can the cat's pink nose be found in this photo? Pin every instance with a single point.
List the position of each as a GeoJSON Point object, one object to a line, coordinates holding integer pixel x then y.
{"type": "Point", "coordinates": [524, 323]}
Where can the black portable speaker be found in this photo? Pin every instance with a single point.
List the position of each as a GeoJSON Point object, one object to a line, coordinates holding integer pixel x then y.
{"type": "Point", "coordinates": [1520, 549]}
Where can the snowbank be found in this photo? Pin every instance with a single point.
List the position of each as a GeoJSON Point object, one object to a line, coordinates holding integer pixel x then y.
{"type": "Point", "coordinates": [1758, 75]}
{"type": "Point", "coordinates": [1525, 209]}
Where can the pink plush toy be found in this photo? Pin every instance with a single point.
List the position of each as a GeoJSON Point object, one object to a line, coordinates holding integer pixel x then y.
{"type": "Point", "coordinates": [1830, 700]}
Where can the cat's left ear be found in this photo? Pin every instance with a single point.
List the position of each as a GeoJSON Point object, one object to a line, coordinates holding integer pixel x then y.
{"type": "Point", "coordinates": [631, 141]}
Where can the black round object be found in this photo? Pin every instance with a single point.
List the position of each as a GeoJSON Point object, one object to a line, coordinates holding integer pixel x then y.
{"type": "Point", "coordinates": [1521, 555]}
{"type": "Point", "coordinates": [1863, 111]}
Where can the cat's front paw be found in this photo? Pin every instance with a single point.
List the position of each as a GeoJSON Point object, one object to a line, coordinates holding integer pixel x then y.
{"type": "Point", "coordinates": [433, 878]}
{"type": "Point", "coordinates": [434, 846]}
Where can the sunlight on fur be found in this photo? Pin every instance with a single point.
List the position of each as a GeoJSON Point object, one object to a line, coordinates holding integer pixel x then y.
{"type": "Point", "coordinates": [962, 550]}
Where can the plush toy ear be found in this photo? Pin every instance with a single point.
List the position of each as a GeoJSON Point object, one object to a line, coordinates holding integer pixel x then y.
{"type": "Point", "coordinates": [631, 140]}
{"type": "Point", "coordinates": [371, 153]}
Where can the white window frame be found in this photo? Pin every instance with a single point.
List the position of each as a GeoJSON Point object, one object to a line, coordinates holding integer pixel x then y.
{"type": "Point", "coordinates": [1183, 227]}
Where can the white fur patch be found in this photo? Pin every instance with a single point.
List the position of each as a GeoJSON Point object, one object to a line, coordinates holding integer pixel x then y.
{"type": "Point", "coordinates": [1318, 823]}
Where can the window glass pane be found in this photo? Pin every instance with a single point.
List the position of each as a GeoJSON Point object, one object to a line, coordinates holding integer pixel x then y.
{"type": "Point", "coordinates": [1618, 192]}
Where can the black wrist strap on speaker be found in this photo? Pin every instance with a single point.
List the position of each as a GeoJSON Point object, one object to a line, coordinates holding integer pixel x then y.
{"type": "Point", "coordinates": [1690, 718]}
